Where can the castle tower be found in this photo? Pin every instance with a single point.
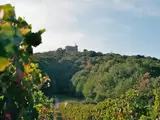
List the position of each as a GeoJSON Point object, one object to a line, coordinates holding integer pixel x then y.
{"type": "Point", "coordinates": [71, 48]}
{"type": "Point", "coordinates": [76, 46]}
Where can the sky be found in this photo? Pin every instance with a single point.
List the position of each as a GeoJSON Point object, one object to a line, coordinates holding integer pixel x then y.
{"type": "Point", "coordinates": [121, 26]}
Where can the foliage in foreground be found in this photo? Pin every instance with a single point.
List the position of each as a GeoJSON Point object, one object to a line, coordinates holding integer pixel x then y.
{"type": "Point", "coordinates": [20, 79]}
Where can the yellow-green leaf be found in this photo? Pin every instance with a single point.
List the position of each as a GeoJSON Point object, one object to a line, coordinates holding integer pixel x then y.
{"type": "Point", "coordinates": [7, 29]}
{"type": "Point", "coordinates": [27, 68]}
{"type": "Point", "coordinates": [3, 63]}
{"type": "Point", "coordinates": [41, 31]}
{"type": "Point", "coordinates": [24, 31]}
{"type": "Point", "coordinates": [8, 11]}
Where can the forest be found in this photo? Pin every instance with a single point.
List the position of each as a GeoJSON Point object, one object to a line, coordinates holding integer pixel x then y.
{"type": "Point", "coordinates": [96, 76]}
{"type": "Point", "coordinates": [113, 86]}
{"type": "Point", "coordinates": [107, 86]}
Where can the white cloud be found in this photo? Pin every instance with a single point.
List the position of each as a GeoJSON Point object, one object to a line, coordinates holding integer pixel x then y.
{"type": "Point", "coordinates": [54, 15]}
{"type": "Point", "coordinates": [140, 7]}
{"type": "Point", "coordinates": [59, 39]}
{"type": "Point", "coordinates": [59, 17]}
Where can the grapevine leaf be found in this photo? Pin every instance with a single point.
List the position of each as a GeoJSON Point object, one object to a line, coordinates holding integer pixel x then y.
{"type": "Point", "coordinates": [2, 50]}
{"type": "Point", "coordinates": [26, 68]}
{"type": "Point", "coordinates": [8, 11]}
{"type": "Point", "coordinates": [25, 30]}
{"type": "Point", "coordinates": [10, 48]}
{"type": "Point", "coordinates": [30, 26]}
{"type": "Point", "coordinates": [7, 29]}
{"type": "Point", "coordinates": [3, 63]}
{"type": "Point", "coordinates": [41, 31]}
{"type": "Point", "coordinates": [17, 40]}
{"type": "Point", "coordinates": [18, 33]}
{"type": "Point", "coordinates": [1, 14]}
{"type": "Point", "coordinates": [1, 97]}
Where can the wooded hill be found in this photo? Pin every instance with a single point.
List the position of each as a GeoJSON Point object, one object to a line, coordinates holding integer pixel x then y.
{"type": "Point", "coordinates": [96, 76]}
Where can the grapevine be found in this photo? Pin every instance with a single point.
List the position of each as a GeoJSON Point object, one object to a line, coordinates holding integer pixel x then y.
{"type": "Point", "coordinates": [128, 107]}
{"type": "Point", "coordinates": [21, 79]}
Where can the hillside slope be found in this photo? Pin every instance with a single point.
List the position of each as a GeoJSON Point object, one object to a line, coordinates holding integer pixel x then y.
{"type": "Point", "coordinates": [97, 76]}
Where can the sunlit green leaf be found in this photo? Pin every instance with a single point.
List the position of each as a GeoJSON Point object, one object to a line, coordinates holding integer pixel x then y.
{"type": "Point", "coordinates": [8, 11]}
{"type": "Point", "coordinates": [41, 31]}
{"type": "Point", "coordinates": [2, 97]}
{"type": "Point", "coordinates": [3, 63]}
{"type": "Point", "coordinates": [24, 31]}
{"type": "Point", "coordinates": [10, 48]}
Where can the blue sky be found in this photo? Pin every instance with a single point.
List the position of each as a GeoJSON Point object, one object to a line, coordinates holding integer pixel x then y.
{"type": "Point", "coordinates": [121, 26]}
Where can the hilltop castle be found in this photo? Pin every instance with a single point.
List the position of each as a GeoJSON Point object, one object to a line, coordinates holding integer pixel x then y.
{"type": "Point", "coordinates": [71, 49]}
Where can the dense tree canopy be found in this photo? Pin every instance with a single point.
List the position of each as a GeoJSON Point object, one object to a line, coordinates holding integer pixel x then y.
{"type": "Point", "coordinates": [121, 87]}
{"type": "Point", "coordinates": [95, 75]}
